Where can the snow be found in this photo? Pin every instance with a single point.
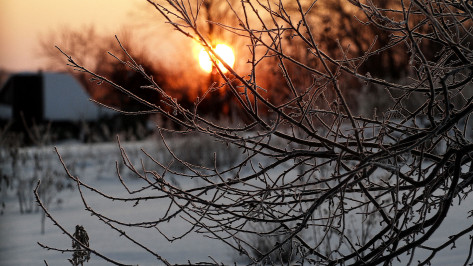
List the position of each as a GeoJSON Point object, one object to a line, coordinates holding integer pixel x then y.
{"type": "Point", "coordinates": [66, 99]}
{"type": "Point", "coordinates": [95, 165]}
{"type": "Point", "coordinates": [63, 98]}
{"type": "Point", "coordinates": [6, 111]}
{"type": "Point", "coordinates": [23, 231]}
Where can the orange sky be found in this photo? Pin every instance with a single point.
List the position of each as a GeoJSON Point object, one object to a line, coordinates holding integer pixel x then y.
{"type": "Point", "coordinates": [23, 21]}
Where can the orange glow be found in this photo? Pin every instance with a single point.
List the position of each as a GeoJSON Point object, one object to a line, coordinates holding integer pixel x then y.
{"type": "Point", "coordinates": [222, 50]}
{"type": "Point", "coordinates": [23, 22]}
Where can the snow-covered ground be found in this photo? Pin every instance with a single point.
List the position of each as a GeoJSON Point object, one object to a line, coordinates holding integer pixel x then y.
{"type": "Point", "coordinates": [95, 165]}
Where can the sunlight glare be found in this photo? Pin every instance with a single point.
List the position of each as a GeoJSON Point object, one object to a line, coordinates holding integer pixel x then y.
{"type": "Point", "coordinates": [224, 51]}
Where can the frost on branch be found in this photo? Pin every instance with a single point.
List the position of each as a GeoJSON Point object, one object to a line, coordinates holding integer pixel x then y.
{"type": "Point", "coordinates": [352, 152]}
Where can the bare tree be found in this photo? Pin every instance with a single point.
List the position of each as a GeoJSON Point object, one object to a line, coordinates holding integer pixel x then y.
{"type": "Point", "coordinates": [94, 51]}
{"type": "Point", "coordinates": [312, 169]}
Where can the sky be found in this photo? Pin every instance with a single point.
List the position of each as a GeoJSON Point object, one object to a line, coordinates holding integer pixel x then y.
{"type": "Point", "coordinates": [23, 22]}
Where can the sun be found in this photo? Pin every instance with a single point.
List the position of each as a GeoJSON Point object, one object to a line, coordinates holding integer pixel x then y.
{"type": "Point", "coordinates": [224, 51]}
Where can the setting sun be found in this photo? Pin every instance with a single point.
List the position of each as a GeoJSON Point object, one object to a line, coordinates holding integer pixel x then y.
{"type": "Point", "coordinates": [224, 51]}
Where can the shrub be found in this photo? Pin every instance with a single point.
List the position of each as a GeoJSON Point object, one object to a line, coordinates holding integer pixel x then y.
{"type": "Point", "coordinates": [386, 167]}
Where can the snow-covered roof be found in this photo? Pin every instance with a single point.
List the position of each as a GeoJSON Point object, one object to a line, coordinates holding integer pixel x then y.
{"type": "Point", "coordinates": [64, 98]}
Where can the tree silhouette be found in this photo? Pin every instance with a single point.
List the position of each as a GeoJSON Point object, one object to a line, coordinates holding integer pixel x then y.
{"type": "Point", "coordinates": [318, 183]}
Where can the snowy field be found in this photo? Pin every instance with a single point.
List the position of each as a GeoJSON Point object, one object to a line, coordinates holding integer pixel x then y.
{"type": "Point", "coordinates": [95, 165]}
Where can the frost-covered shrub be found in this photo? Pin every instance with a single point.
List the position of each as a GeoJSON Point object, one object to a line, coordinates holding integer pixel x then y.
{"type": "Point", "coordinates": [199, 150]}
